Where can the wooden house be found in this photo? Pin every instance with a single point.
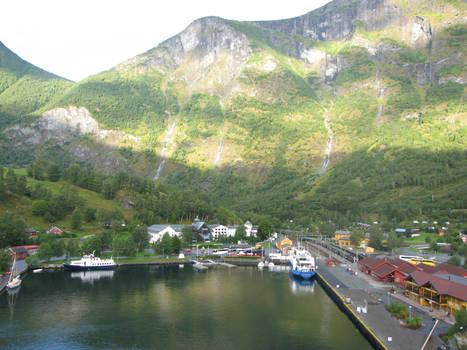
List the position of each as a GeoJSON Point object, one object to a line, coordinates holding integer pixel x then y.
{"type": "Point", "coordinates": [435, 292]}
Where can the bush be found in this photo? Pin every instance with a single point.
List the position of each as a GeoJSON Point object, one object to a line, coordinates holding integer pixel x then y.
{"type": "Point", "coordinates": [438, 93]}
{"type": "Point", "coordinates": [398, 310]}
{"type": "Point", "coordinates": [414, 322]}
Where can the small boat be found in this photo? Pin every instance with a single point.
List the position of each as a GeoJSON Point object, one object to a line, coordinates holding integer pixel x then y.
{"type": "Point", "coordinates": [36, 270]}
{"type": "Point", "coordinates": [302, 264]}
{"type": "Point", "coordinates": [260, 264]}
{"type": "Point", "coordinates": [271, 264]}
{"type": "Point", "coordinates": [13, 281]}
{"type": "Point", "coordinates": [90, 262]}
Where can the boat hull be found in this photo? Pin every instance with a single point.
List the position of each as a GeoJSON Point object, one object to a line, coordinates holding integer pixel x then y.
{"type": "Point", "coordinates": [303, 275]}
{"type": "Point", "coordinates": [70, 267]}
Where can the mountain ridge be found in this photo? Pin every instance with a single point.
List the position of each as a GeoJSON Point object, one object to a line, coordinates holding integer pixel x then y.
{"type": "Point", "coordinates": [228, 107]}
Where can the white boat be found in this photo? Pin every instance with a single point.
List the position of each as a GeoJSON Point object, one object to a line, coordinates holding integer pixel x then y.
{"type": "Point", "coordinates": [13, 281]}
{"type": "Point", "coordinates": [36, 270]}
{"type": "Point", "coordinates": [270, 264]}
{"type": "Point", "coordinates": [302, 264]}
{"type": "Point", "coordinates": [260, 264]}
{"type": "Point", "coordinates": [90, 262]}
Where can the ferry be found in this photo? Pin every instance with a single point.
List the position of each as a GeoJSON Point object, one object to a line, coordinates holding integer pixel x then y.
{"type": "Point", "coordinates": [302, 264]}
{"type": "Point", "coordinates": [90, 262]}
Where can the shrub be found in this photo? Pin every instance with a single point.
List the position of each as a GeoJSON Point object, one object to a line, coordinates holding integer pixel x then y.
{"type": "Point", "coordinates": [438, 93]}
{"type": "Point", "coordinates": [414, 322]}
{"type": "Point", "coordinates": [398, 310]}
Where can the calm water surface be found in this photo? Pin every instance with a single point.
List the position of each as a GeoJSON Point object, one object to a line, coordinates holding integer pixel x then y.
{"type": "Point", "coordinates": [155, 307]}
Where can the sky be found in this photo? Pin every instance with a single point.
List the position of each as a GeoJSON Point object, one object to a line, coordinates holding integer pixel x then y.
{"type": "Point", "coordinates": [78, 38]}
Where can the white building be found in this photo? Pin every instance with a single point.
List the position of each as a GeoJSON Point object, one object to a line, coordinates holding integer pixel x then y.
{"type": "Point", "coordinates": [220, 230]}
{"type": "Point", "coordinates": [231, 231]}
{"type": "Point", "coordinates": [158, 231]}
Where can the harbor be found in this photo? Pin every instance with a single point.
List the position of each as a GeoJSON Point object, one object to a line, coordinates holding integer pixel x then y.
{"type": "Point", "coordinates": [357, 295]}
{"type": "Point", "coordinates": [363, 300]}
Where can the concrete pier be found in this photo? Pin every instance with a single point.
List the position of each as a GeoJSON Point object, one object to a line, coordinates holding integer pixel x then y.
{"type": "Point", "coordinates": [363, 300]}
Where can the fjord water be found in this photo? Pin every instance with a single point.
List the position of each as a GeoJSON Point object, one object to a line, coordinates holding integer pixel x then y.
{"type": "Point", "coordinates": [156, 307]}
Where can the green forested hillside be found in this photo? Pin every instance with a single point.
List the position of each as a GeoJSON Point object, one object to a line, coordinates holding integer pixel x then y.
{"type": "Point", "coordinates": [24, 88]}
{"type": "Point", "coordinates": [266, 119]}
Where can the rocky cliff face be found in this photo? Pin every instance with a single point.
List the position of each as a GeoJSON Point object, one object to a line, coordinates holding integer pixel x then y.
{"type": "Point", "coordinates": [336, 20]}
{"type": "Point", "coordinates": [205, 55]}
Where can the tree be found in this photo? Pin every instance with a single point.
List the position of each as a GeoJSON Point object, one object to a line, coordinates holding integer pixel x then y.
{"type": "Point", "coordinates": [264, 230]}
{"type": "Point", "coordinates": [240, 233]}
{"type": "Point", "coordinates": [12, 231]}
{"type": "Point", "coordinates": [140, 237]}
{"type": "Point", "coordinates": [393, 241]}
{"type": "Point", "coordinates": [455, 260]}
{"type": "Point", "coordinates": [76, 219]}
{"type": "Point", "coordinates": [39, 207]}
{"type": "Point", "coordinates": [187, 236]}
{"type": "Point", "coordinates": [90, 214]}
{"type": "Point", "coordinates": [175, 244]}
{"type": "Point", "coordinates": [10, 180]}
{"type": "Point", "coordinates": [356, 236]}
{"type": "Point", "coordinates": [376, 238]}
{"type": "Point", "coordinates": [53, 172]}
{"type": "Point", "coordinates": [5, 260]}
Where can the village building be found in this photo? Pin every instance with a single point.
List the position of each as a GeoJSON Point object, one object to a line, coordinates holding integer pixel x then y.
{"type": "Point", "coordinates": [435, 292]}
{"type": "Point", "coordinates": [342, 238]}
{"type": "Point", "coordinates": [156, 232]}
{"type": "Point", "coordinates": [201, 230]}
{"type": "Point", "coordinates": [231, 231]}
{"type": "Point", "coordinates": [20, 252]}
{"type": "Point", "coordinates": [55, 230]}
{"type": "Point", "coordinates": [220, 231]}
{"type": "Point", "coordinates": [444, 269]}
{"type": "Point", "coordinates": [387, 270]}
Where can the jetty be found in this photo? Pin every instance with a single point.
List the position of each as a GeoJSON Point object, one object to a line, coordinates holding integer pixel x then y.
{"type": "Point", "coordinates": [363, 300]}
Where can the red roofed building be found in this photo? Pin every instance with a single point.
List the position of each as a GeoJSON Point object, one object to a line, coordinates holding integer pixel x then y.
{"type": "Point", "coordinates": [369, 264]}
{"type": "Point", "coordinates": [444, 269]}
{"type": "Point", "coordinates": [387, 269]}
{"type": "Point", "coordinates": [55, 230]}
{"type": "Point", "coordinates": [435, 292]}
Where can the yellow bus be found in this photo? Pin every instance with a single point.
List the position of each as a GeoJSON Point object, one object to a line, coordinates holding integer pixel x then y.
{"type": "Point", "coordinates": [417, 260]}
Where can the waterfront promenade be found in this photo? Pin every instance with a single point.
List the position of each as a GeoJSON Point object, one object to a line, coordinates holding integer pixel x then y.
{"type": "Point", "coordinates": [368, 299]}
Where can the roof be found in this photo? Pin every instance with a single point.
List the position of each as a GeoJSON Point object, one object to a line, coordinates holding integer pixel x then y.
{"type": "Point", "coordinates": [454, 278]}
{"type": "Point", "coordinates": [371, 262]}
{"type": "Point", "coordinates": [396, 262]}
{"type": "Point", "coordinates": [442, 286]}
{"type": "Point", "coordinates": [384, 270]}
{"type": "Point", "coordinates": [342, 232]}
{"type": "Point", "coordinates": [444, 269]}
{"type": "Point", "coordinates": [159, 227]}
{"type": "Point", "coordinates": [407, 269]}
{"type": "Point", "coordinates": [19, 250]}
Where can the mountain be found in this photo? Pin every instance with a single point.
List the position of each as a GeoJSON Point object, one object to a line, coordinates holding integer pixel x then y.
{"type": "Point", "coordinates": [24, 88]}
{"type": "Point", "coordinates": [351, 111]}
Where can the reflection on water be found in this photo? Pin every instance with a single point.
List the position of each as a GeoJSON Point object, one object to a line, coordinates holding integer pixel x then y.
{"type": "Point", "coordinates": [172, 308]}
{"type": "Point", "coordinates": [301, 286]}
{"type": "Point", "coordinates": [91, 276]}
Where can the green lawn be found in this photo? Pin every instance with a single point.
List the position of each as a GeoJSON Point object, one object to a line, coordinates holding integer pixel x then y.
{"type": "Point", "coordinates": [421, 238]}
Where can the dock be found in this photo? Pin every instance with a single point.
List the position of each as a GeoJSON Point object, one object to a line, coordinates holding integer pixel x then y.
{"type": "Point", "coordinates": [363, 301]}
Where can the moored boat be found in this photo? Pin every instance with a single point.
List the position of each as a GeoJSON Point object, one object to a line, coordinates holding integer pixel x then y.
{"type": "Point", "coordinates": [13, 281]}
{"type": "Point", "coordinates": [302, 264]}
{"type": "Point", "coordinates": [90, 262]}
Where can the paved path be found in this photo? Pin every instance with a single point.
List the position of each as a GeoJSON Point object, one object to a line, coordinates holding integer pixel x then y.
{"type": "Point", "coordinates": [365, 291]}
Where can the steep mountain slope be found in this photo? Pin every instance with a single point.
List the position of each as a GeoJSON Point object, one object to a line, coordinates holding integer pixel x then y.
{"type": "Point", "coordinates": [341, 113]}
{"type": "Point", "coordinates": [24, 88]}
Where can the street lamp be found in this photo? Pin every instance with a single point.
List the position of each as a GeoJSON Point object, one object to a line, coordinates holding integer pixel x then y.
{"type": "Point", "coordinates": [410, 312]}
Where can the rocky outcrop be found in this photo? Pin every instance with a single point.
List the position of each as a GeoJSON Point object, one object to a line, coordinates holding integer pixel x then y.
{"type": "Point", "coordinates": [336, 20]}
{"type": "Point", "coordinates": [60, 126]}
